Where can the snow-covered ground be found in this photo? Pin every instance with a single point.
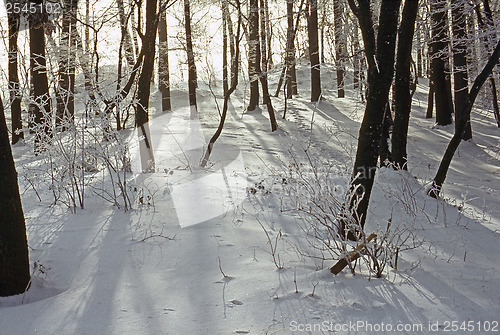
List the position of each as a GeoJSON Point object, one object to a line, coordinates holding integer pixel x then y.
{"type": "Point", "coordinates": [194, 258]}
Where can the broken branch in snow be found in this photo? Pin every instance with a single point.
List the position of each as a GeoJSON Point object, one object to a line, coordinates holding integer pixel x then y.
{"type": "Point", "coordinates": [353, 255]}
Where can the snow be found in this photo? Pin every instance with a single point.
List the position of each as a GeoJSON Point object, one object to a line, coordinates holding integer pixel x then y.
{"type": "Point", "coordinates": [194, 258]}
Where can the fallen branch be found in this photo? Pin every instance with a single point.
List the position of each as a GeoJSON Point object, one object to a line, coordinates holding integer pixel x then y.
{"type": "Point", "coordinates": [352, 256]}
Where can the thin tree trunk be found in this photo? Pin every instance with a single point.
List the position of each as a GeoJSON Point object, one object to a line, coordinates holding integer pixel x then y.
{"type": "Point", "coordinates": [402, 94]}
{"type": "Point", "coordinates": [290, 36]}
{"type": "Point", "coordinates": [14, 258]}
{"type": "Point", "coordinates": [129, 48]}
{"type": "Point", "coordinates": [227, 16]}
{"type": "Point", "coordinates": [263, 37]}
{"type": "Point", "coordinates": [192, 79]}
{"type": "Point", "coordinates": [268, 36]}
{"type": "Point", "coordinates": [440, 177]}
{"type": "Point", "coordinates": [225, 72]}
{"type": "Point", "coordinates": [340, 45]}
{"type": "Point", "coordinates": [312, 29]}
{"type": "Point", "coordinates": [65, 112]}
{"type": "Point", "coordinates": [253, 54]}
{"type": "Point", "coordinates": [291, 76]}
{"type": "Point", "coordinates": [15, 93]}
{"type": "Point", "coordinates": [41, 100]}
{"type": "Point", "coordinates": [163, 66]}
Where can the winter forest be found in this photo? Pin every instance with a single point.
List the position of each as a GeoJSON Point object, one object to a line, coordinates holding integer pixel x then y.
{"type": "Point", "coordinates": [249, 167]}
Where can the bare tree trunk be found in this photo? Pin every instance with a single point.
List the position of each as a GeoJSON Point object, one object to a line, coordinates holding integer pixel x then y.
{"type": "Point", "coordinates": [41, 106]}
{"type": "Point", "coordinates": [192, 78]}
{"type": "Point", "coordinates": [286, 71]}
{"type": "Point", "coordinates": [163, 69]}
{"type": "Point", "coordinates": [402, 95]}
{"type": "Point", "coordinates": [291, 76]}
{"type": "Point", "coordinates": [312, 29]}
{"type": "Point", "coordinates": [225, 72]}
{"type": "Point", "coordinates": [129, 49]}
{"type": "Point", "coordinates": [380, 54]}
{"type": "Point", "coordinates": [460, 76]}
{"type": "Point", "coordinates": [253, 54]}
{"type": "Point", "coordinates": [268, 35]}
{"type": "Point", "coordinates": [15, 93]}
{"type": "Point", "coordinates": [440, 68]}
{"type": "Point", "coordinates": [65, 112]}
{"type": "Point", "coordinates": [340, 45]}
{"type": "Point", "coordinates": [14, 258]}
{"type": "Point", "coordinates": [144, 87]}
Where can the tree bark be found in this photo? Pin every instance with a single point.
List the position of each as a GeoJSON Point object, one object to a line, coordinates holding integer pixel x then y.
{"type": "Point", "coordinates": [340, 45]}
{"type": "Point", "coordinates": [402, 94]}
{"type": "Point", "coordinates": [312, 29]}
{"type": "Point", "coordinates": [253, 54]}
{"type": "Point", "coordinates": [129, 48]}
{"type": "Point", "coordinates": [144, 86]}
{"type": "Point", "coordinates": [192, 78]}
{"type": "Point", "coordinates": [380, 55]}
{"type": "Point", "coordinates": [163, 70]}
{"type": "Point", "coordinates": [460, 76]}
{"type": "Point", "coordinates": [40, 105]}
{"type": "Point", "coordinates": [440, 68]}
{"type": "Point", "coordinates": [291, 76]}
{"type": "Point", "coordinates": [14, 258]}
{"type": "Point", "coordinates": [15, 93]}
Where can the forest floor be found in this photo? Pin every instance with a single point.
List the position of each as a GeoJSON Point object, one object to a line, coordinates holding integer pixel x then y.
{"type": "Point", "coordinates": [220, 250]}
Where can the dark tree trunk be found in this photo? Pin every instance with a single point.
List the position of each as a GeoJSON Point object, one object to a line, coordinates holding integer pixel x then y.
{"type": "Point", "coordinates": [253, 54]}
{"type": "Point", "coordinates": [440, 177]}
{"type": "Point", "coordinates": [402, 94]}
{"type": "Point", "coordinates": [380, 56]}
{"type": "Point", "coordinates": [340, 45]}
{"type": "Point", "coordinates": [460, 76]}
{"type": "Point", "coordinates": [440, 68]}
{"type": "Point", "coordinates": [144, 85]}
{"type": "Point", "coordinates": [264, 58]}
{"type": "Point", "coordinates": [192, 78]}
{"type": "Point", "coordinates": [163, 70]}
{"type": "Point", "coordinates": [41, 106]}
{"type": "Point", "coordinates": [225, 75]}
{"type": "Point", "coordinates": [288, 71]}
{"type": "Point", "coordinates": [268, 36]}
{"type": "Point", "coordinates": [14, 260]}
{"type": "Point", "coordinates": [430, 101]}
{"type": "Point", "coordinates": [385, 153]}
{"type": "Point", "coordinates": [65, 112]}
{"type": "Point", "coordinates": [15, 93]}
{"type": "Point", "coordinates": [291, 76]}
{"type": "Point", "coordinates": [357, 58]}
{"type": "Point", "coordinates": [312, 29]}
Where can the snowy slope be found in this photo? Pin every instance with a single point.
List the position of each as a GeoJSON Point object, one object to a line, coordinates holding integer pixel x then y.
{"type": "Point", "coordinates": [196, 260]}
